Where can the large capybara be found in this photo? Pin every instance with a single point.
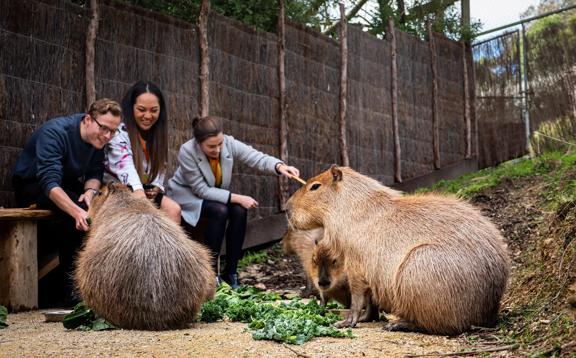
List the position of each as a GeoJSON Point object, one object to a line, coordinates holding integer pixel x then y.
{"type": "Point", "coordinates": [138, 269]}
{"type": "Point", "coordinates": [432, 260]}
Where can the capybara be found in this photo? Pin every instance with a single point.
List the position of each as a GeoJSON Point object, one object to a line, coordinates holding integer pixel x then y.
{"type": "Point", "coordinates": [328, 274]}
{"type": "Point", "coordinates": [432, 260]}
{"type": "Point", "coordinates": [301, 243]}
{"type": "Point", "coordinates": [324, 273]}
{"type": "Point", "coordinates": [138, 269]}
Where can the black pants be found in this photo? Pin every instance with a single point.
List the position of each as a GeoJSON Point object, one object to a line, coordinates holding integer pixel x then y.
{"type": "Point", "coordinates": [218, 216]}
{"type": "Point", "coordinates": [69, 240]}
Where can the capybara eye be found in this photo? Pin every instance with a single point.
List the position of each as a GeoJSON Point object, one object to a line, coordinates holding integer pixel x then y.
{"type": "Point", "coordinates": [334, 262]}
{"type": "Point", "coordinates": [315, 186]}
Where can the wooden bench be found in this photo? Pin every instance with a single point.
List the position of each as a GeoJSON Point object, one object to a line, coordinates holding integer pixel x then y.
{"type": "Point", "coordinates": [19, 257]}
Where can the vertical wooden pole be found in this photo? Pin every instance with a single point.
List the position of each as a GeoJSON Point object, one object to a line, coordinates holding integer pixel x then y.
{"type": "Point", "coordinates": [282, 180]}
{"type": "Point", "coordinates": [204, 58]}
{"type": "Point", "coordinates": [90, 53]}
{"type": "Point", "coordinates": [394, 94]}
{"type": "Point", "coordinates": [466, 101]}
{"type": "Point", "coordinates": [343, 86]}
{"type": "Point", "coordinates": [434, 67]}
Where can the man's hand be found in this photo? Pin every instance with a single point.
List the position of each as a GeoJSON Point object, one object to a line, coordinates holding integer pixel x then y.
{"type": "Point", "coordinates": [87, 196]}
{"type": "Point", "coordinates": [81, 217]}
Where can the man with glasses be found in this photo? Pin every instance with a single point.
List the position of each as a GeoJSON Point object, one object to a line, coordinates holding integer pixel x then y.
{"type": "Point", "coordinates": [61, 168]}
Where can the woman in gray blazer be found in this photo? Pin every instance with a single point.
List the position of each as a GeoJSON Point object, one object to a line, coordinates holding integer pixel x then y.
{"type": "Point", "coordinates": [201, 186]}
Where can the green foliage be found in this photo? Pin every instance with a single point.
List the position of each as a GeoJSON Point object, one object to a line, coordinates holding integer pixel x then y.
{"type": "Point", "coordinates": [3, 317]}
{"type": "Point", "coordinates": [294, 322]}
{"type": "Point", "coordinates": [257, 257]}
{"type": "Point", "coordinates": [82, 318]}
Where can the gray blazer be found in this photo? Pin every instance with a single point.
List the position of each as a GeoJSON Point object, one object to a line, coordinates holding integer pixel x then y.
{"type": "Point", "coordinates": [194, 181]}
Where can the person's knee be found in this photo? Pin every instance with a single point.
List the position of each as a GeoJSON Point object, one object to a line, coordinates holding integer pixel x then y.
{"type": "Point", "coordinates": [171, 208]}
{"type": "Point", "coordinates": [239, 211]}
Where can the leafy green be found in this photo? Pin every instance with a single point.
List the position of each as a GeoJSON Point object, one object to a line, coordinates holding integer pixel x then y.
{"type": "Point", "coordinates": [294, 322]}
{"type": "Point", "coordinates": [3, 316]}
{"type": "Point", "coordinates": [82, 318]}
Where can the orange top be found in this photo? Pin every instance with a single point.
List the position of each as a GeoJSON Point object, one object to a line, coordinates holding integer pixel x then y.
{"type": "Point", "coordinates": [217, 170]}
{"type": "Point", "coordinates": [144, 177]}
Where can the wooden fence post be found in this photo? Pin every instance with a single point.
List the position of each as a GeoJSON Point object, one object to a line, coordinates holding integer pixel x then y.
{"type": "Point", "coordinates": [204, 58]}
{"type": "Point", "coordinates": [343, 86]}
{"type": "Point", "coordinates": [466, 102]}
{"type": "Point", "coordinates": [394, 95]}
{"type": "Point", "coordinates": [434, 67]}
{"type": "Point", "coordinates": [90, 53]}
{"type": "Point", "coordinates": [282, 180]}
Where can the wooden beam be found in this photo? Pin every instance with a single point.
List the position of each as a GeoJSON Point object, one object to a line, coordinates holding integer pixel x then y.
{"type": "Point", "coordinates": [434, 69]}
{"type": "Point", "coordinates": [90, 52]}
{"type": "Point", "coordinates": [25, 214]}
{"type": "Point", "coordinates": [467, 120]}
{"type": "Point", "coordinates": [394, 93]}
{"type": "Point", "coordinates": [282, 180]}
{"type": "Point", "coordinates": [343, 86]}
{"type": "Point", "coordinates": [204, 58]}
{"type": "Point", "coordinates": [18, 265]}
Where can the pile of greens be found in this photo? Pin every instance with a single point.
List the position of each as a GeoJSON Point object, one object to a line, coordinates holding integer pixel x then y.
{"type": "Point", "coordinates": [3, 316]}
{"type": "Point", "coordinates": [294, 322]}
{"type": "Point", "coordinates": [82, 318]}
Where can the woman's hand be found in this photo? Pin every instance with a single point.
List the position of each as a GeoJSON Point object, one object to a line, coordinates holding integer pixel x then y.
{"type": "Point", "coordinates": [288, 170]}
{"type": "Point", "coordinates": [152, 192]}
{"type": "Point", "coordinates": [245, 201]}
{"type": "Point", "coordinates": [81, 218]}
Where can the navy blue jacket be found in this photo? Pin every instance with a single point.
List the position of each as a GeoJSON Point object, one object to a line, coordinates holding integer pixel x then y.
{"type": "Point", "coordinates": [56, 154]}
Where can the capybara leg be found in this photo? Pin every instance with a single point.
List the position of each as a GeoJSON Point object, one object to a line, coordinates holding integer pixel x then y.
{"type": "Point", "coordinates": [402, 326]}
{"type": "Point", "coordinates": [310, 290]}
{"type": "Point", "coordinates": [371, 312]}
{"type": "Point", "coordinates": [358, 302]}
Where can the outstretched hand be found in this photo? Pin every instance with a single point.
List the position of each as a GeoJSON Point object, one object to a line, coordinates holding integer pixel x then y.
{"type": "Point", "coordinates": [289, 171]}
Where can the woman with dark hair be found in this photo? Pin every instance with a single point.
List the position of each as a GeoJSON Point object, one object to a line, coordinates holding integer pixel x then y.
{"type": "Point", "coordinates": [137, 155]}
{"type": "Point", "coordinates": [201, 186]}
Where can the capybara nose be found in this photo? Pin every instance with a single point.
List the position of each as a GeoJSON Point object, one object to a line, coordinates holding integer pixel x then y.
{"type": "Point", "coordinates": [324, 283]}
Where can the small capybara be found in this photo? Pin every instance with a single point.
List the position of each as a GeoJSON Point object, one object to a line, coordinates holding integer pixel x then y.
{"type": "Point", "coordinates": [328, 274]}
{"type": "Point", "coordinates": [432, 260]}
{"type": "Point", "coordinates": [324, 273]}
{"type": "Point", "coordinates": [138, 269]}
{"type": "Point", "coordinates": [301, 243]}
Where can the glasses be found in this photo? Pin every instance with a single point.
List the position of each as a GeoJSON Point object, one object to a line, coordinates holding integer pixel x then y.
{"type": "Point", "coordinates": [105, 130]}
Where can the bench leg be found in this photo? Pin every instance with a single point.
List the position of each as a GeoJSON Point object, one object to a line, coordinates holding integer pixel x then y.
{"type": "Point", "coordinates": [18, 265]}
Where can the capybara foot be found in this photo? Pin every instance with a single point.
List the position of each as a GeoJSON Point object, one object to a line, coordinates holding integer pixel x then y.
{"type": "Point", "coordinates": [402, 326]}
{"type": "Point", "coordinates": [370, 314]}
{"type": "Point", "coordinates": [345, 324]}
{"type": "Point", "coordinates": [308, 292]}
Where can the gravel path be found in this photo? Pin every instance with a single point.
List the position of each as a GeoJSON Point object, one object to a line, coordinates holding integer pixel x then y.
{"type": "Point", "coordinates": [29, 336]}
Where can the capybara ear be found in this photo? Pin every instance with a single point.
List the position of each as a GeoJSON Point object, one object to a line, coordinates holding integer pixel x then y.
{"type": "Point", "coordinates": [336, 173]}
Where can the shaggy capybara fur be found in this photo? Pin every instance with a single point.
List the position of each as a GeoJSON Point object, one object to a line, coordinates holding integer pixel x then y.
{"type": "Point", "coordinates": [432, 260]}
{"type": "Point", "coordinates": [138, 269]}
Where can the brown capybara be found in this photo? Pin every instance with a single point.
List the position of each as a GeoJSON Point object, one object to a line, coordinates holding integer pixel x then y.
{"type": "Point", "coordinates": [432, 260]}
{"type": "Point", "coordinates": [301, 243]}
{"type": "Point", "coordinates": [138, 269]}
{"type": "Point", "coordinates": [328, 274]}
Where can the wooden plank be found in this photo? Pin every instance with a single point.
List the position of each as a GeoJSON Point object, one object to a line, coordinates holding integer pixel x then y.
{"type": "Point", "coordinates": [394, 101]}
{"type": "Point", "coordinates": [18, 265]}
{"type": "Point", "coordinates": [24, 214]}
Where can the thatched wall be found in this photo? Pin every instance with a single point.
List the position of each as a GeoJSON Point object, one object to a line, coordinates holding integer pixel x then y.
{"type": "Point", "coordinates": [42, 75]}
